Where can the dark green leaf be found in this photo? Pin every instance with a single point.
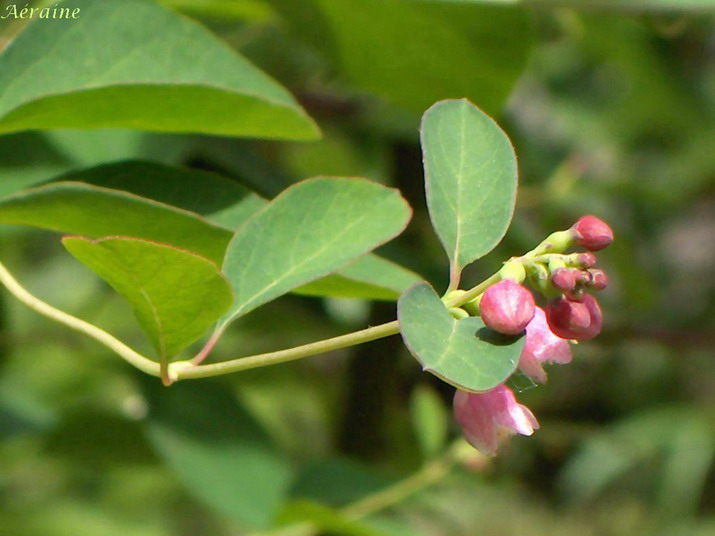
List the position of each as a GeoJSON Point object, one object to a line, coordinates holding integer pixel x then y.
{"type": "Point", "coordinates": [93, 211]}
{"type": "Point", "coordinates": [227, 203]}
{"type": "Point", "coordinates": [471, 180]}
{"type": "Point", "coordinates": [176, 295]}
{"type": "Point", "coordinates": [217, 449]}
{"type": "Point", "coordinates": [310, 230]}
{"type": "Point", "coordinates": [464, 352]}
{"type": "Point", "coordinates": [414, 53]}
{"type": "Point", "coordinates": [134, 64]}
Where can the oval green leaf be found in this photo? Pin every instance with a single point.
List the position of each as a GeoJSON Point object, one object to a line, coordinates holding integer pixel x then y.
{"type": "Point", "coordinates": [134, 64]}
{"type": "Point", "coordinates": [310, 230]}
{"type": "Point", "coordinates": [218, 450]}
{"type": "Point", "coordinates": [176, 295]}
{"type": "Point", "coordinates": [228, 204]}
{"type": "Point", "coordinates": [187, 208]}
{"type": "Point", "coordinates": [464, 353]}
{"type": "Point", "coordinates": [470, 180]}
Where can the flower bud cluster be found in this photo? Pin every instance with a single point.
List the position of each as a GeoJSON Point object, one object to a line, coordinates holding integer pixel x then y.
{"type": "Point", "coordinates": [508, 307]}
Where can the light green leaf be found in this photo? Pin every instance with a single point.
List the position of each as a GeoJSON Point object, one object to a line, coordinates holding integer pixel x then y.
{"type": "Point", "coordinates": [471, 180]}
{"type": "Point", "coordinates": [430, 420]}
{"type": "Point", "coordinates": [369, 277]}
{"type": "Point", "coordinates": [176, 295]}
{"type": "Point", "coordinates": [464, 353]}
{"type": "Point", "coordinates": [310, 230]}
{"type": "Point", "coordinates": [135, 64]}
{"type": "Point", "coordinates": [165, 204]}
{"type": "Point", "coordinates": [414, 53]}
{"type": "Point", "coordinates": [72, 207]}
{"type": "Point", "coordinates": [218, 450]}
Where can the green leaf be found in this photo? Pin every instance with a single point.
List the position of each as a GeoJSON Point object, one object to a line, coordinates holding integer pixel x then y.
{"type": "Point", "coordinates": [430, 420]}
{"type": "Point", "coordinates": [414, 53]}
{"type": "Point", "coordinates": [369, 277]}
{"type": "Point", "coordinates": [310, 230]}
{"type": "Point", "coordinates": [471, 180]}
{"type": "Point", "coordinates": [176, 295]}
{"type": "Point", "coordinates": [150, 201]}
{"type": "Point", "coordinates": [338, 482]}
{"type": "Point", "coordinates": [27, 158]}
{"type": "Point", "coordinates": [464, 353]}
{"type": "Point", "coordinates": [93, 211]}
{"type": "Point", "coordinates": [218, 450]}
{"type": "Point", "coordinates": [135, 64]}
{"type": "Point", "coordinates": [217, 198]}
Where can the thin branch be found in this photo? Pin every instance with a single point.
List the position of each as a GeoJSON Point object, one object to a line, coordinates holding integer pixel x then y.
{"type": "Point", "coordinates": [139, 361]}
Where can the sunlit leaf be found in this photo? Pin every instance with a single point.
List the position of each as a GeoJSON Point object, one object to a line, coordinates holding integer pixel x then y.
{"type": "Point", "coordinates": [471, 180]}
{"type": "Point", "coordinates": [175, 294]}
{"type": "Point", "coordinates": [310, 230]}
{"type": "Point", "coordinates": [464, 352]}
{"type": "Point", "coordinates": [135, 64]}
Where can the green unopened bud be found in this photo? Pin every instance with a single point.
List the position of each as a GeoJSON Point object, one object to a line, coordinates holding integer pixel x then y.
{"type": "Point", "coordinates": [513, 270]}
{"type": "Point", "coordinates": [458, 313]}
{"type": "Point", "coordinates": [557, 242]}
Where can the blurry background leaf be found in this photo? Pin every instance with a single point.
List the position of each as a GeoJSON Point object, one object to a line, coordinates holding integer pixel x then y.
{"type": "Point", "coordinates": [430, 419]}
{"type": "Point", "coordinates": [200, 85]}
{"type": "Point", "coordinates": [217, 449]}
{"type": "Point", "coordinates": [414, 53]}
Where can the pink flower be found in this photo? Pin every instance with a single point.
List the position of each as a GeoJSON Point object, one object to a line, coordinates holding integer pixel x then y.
{"type": "Point", "coordinates": [564, 279]}
{"type": "Point", "coordinates": [490, 417]}
{"type": "Point", "coordinates": [571, 319]}
{"type": "Point", "coordinates": [507, 307]}
{"type": "Point", "coordinates": [542, 346]}
{"type": "Point", "coordinates": [592, 233]}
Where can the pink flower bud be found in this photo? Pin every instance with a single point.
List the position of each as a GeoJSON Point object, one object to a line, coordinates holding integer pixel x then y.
{"type": "Point", "coordinates": [507, 307]}
{"type": "Point", "coordinates": [542, 346]}
{"type": "Point", "coordinates": [586, 260]}
{"type": "Point", "coordinates": [564, 279]}
{"type": "Point", "coordinates": [592, 233]}
{"type": "Point", "coordinates": [488, 418]}
{"type": "Point", "coordinates": [599, 279]}
{"type": "Point", "coordinates": [579, 320]}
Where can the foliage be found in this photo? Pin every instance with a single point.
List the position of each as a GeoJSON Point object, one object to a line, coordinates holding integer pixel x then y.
{"type": "Point", "coordinates": [610, 115]}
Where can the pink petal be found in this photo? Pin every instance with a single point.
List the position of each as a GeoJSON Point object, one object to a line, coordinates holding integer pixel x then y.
{"type": "Point", "coordinates": [488, 417]}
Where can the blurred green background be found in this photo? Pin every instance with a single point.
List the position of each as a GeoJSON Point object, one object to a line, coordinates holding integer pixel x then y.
{"type": "Point", "coordinates": [611, 111]}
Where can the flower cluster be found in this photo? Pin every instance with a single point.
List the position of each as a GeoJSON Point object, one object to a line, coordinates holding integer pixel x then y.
{"type": "Point", "coordinates": [508, 307]}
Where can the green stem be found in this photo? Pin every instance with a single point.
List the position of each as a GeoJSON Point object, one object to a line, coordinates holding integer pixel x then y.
{"type": "Point", "coordinates": [431, 473]}
{"type": "Point", "coordinates": [192, 369]}
{"type": "Point", "coordinates": [139, 361]}
{"type": "Point", "coordinates": [186, 370]}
